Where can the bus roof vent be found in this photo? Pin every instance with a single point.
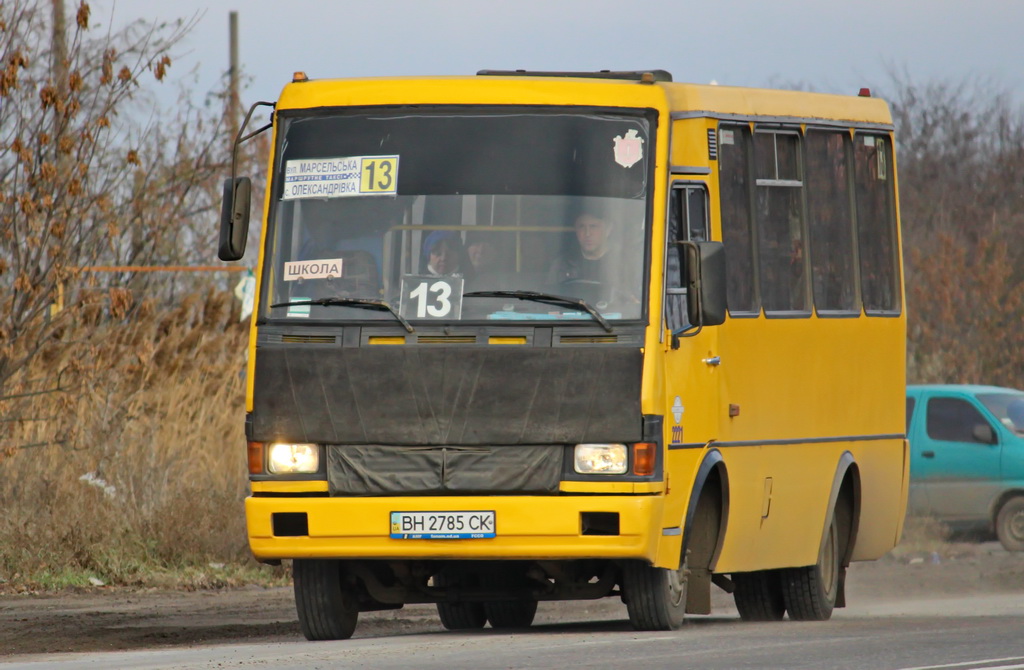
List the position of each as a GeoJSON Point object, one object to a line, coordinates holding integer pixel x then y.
{"type": "Point", "coordinates": [631, 75]}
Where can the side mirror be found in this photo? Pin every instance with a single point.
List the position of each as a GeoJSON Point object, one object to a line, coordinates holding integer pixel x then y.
{"type": "Point", "coordinates": [705, 282]}
{"type": "Point", "coordinates": [983, 433]}
{"type": "Point", "coordinates": [234, 218]}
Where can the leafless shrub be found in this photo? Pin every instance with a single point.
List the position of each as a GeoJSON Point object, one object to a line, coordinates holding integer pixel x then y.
{"type": "Point", "coordinates": [149, 468]}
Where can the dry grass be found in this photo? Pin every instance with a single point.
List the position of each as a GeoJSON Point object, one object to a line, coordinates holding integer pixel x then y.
{"type": "Point", "coordinates": [140, 474]}
{"type": "Point", "coordinates": [922, 536]}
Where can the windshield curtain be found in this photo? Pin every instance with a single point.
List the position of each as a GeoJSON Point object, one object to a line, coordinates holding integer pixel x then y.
{"type": "Point", "coordinates": [423, 209]}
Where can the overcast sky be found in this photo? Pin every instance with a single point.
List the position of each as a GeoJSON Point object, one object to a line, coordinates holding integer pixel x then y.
{"type": "Point", "coordinates": [828, 46]}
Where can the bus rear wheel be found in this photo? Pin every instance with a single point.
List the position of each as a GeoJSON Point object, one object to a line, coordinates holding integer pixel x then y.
{"type": "Point", "coordinates": [810, 592]}
{"type": "Point", "coordinates": [458, 616]}
{"type": "Point", "coordinates": [461, 616]}
{"type": "Point", "coordinates": [511, 613]}
{"type": "Point", "coordinates": [758, 595]}
{"type": "Point", "coordinates": [1010, 524]}
{"type": "Point", "coordinates": [327, 611]}
{"type": "Point", "coordinates": [655, 597]}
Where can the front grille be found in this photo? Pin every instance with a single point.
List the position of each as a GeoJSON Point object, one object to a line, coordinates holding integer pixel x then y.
{"type": "Point", "coordinates": [309, 339]}
{"type": "Point", "coordinates": [446, 339]}
{"type": "Point", "coordinates": [588, 339]}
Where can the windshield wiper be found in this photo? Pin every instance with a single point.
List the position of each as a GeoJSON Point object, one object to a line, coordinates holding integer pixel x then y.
{"type": "Point", "coordinates": [365, 303]}
{"type": "Point", "coordinates": [546, 298]}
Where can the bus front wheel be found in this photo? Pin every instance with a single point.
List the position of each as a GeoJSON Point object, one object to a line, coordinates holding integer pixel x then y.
{"type": "Point", "coordinates": [810, 592]}
{"type": "Point", "coordinates": [758, 595]}
{"type": "Point", "coordinates": [655, 597]}
{"type": "Point", "coordinates": [327, 611]}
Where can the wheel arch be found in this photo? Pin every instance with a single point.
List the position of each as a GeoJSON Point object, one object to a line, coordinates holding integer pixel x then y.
{"type": "Point", "coordinates": [844, 501]}
{"type": "Point", "coordinates": [712, 470]}
{"type": "Point", "coordinates": [1000, 500]}
{"type": "Point", "coordinates": [707, 514]}
{"type": "Point", "coordinates": [846, 489]}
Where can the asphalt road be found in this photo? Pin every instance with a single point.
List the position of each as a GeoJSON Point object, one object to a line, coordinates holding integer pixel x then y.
{"type": "Point", "coordinates": [954, 632]}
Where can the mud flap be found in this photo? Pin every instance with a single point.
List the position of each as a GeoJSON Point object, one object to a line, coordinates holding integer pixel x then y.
{"type": "Point", "coordinates": [698, 591]}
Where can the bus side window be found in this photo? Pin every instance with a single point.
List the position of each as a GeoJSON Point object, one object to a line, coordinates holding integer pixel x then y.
{"type": "Point", "coordinates": [734, 155]}
{"type": "Point", "coordinates": [830, 221]}
{"type": "Point", "coordinates": [779, 216]}
{"type": "Point", "coordinates": [688, 220]}
{"type": "Point", "coordinates": [876, 224]}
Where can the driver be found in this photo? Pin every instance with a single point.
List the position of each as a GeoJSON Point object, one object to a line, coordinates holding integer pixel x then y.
{"type": "Point", "coordinates": [590, 261]}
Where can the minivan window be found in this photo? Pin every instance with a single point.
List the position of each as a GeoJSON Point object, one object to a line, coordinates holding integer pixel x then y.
{"type": "Point", "coordinates": [1007, 407]}
{"type": "Point", "coordinates": [953, 420]}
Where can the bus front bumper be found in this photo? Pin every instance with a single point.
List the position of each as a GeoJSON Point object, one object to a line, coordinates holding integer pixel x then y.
{"type": "Point", "coordinates": [526, 528]}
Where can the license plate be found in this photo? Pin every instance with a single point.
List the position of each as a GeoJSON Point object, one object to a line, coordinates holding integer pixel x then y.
{"type": "Point", "coordinates": [442, 525]}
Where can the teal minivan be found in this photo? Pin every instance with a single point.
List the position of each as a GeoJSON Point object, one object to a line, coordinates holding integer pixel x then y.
{"type": "Point", "coordinates": [967, 458]}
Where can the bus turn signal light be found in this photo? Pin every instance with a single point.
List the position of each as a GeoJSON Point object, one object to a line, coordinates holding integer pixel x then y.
{"type": "Point", "coordinates": [255, 450]}
{"type": "Point", "coordinates": [643, 458]}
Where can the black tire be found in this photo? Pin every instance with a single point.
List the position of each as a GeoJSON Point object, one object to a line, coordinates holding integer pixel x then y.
{"type": "Point", "coordinates": [810, 592]}
{"type": "Point", "coordinates": [758, 595]}
{"type": "Point", "coordinates": [655, 597]}
{"type": "Point", "coordinates": [462, 616]}
{"type": "Point", "coordinates": [459, 616]}
{"type": "Point", "coordinates": [511, 613]}
{"type": "Point", "coordinates": [326, 610]}
{"type": "Point", "coordinates": [1010, 524]}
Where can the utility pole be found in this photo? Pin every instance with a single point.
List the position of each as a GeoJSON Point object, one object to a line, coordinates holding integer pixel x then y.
{"type": "Point", "coordinates": [59, 79]}
{"type": "Point", "coordinates": [59, 65]}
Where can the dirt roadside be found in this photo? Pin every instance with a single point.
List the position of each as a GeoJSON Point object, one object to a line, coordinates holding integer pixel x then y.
{"type": "Point", "coordinates": [107, 619]}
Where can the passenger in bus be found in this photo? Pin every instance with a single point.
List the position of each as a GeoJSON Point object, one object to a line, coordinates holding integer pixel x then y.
{"type": "Point", "coordinates": [444, 255]}
{"type": "Point", "coordinates": [482, 252]}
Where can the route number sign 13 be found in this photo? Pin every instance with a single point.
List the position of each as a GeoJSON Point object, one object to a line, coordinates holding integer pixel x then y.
{"type": "Point", "coordinates": [427, 297]}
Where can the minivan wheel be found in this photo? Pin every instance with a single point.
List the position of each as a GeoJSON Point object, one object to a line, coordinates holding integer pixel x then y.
{"type": "Point", "coordinates": [1010, 524]}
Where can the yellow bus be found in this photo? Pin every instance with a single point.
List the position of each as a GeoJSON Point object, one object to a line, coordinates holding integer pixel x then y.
{"type": "Point", "coordinates": [527, 336]}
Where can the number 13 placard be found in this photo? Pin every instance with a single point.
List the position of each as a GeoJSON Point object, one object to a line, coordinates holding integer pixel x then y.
{"type": "Point", "coordinates": [427, 297]}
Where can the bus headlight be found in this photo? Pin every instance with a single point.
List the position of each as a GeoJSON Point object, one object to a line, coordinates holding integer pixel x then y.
{"type": "Point", "coordinates": [290, 459]}
{"type": "Point", "coordinates": [601, 459]}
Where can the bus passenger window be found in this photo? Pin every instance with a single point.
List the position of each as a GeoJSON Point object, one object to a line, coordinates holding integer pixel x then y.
{"type": "Point", "coordinates": [876, 224]}
{"type": "Point", "coordinates": [830, 221]}
{"type": "Point", "coordinates": [734, 189]}
{"type": "Point", "coordinates": [779, 220]}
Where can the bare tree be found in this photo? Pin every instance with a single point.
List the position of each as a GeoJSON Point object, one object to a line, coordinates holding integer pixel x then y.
{"type": "Point", "coordinates": [961, 159]}
{"type": "Point", "coordinates": [91, 172]}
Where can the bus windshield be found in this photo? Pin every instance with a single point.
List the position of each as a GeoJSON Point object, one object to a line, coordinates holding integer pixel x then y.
{"type": "Point", "coordinates": [434, 212]}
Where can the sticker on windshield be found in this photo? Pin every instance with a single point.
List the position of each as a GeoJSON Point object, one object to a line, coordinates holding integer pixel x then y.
{"type": "Point", "coordinates": [628, 149]}
{"type": "Point", "coordinates": [319, 269]}
{"type": "Point", "coordinates": [300, 311]}
{"type": "Point", "coordinates": [340, 177]}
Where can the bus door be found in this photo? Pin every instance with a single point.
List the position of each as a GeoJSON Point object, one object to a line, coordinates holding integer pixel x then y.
{"type": "Point", "coordinates": [691, 355]}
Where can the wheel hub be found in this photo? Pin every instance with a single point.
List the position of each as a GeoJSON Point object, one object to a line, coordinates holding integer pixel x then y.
{"type": "Point", "coordinates": [677, 585]}
{"type": "Point", "coordinates": [1017, 525]}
